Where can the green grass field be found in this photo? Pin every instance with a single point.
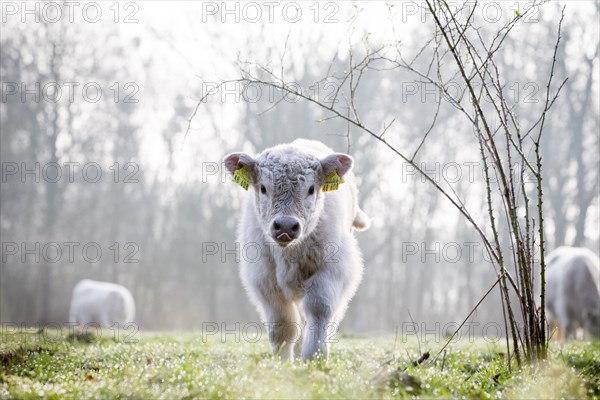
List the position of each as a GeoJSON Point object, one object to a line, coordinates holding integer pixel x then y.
{"type": "Point", "coordinates": [182, 365]}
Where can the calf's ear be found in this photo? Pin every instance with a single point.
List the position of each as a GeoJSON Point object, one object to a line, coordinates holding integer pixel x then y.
{"type": "Point", "coordinates": [235, 161]}
{"type": "Point", "coordinates": [339, 162]}
{"type": "Point", "coordinates": [242, 167]}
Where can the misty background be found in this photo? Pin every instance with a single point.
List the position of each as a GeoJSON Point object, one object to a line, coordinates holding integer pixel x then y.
{"type": "Point", "coordinates": [112, 96]}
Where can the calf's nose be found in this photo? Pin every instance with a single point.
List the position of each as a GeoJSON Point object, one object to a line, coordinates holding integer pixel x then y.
{"type": "Point", "coordinates": [285, 229]}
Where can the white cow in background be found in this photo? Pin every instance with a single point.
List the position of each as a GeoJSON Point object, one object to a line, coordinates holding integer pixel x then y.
{"type": "Point", "coordinates": [102, 303]}
{"type": "Point", "coordinates": [573, 291]}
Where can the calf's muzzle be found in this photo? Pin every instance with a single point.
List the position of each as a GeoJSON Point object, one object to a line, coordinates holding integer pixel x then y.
{"type": "Point", "coordinates": [285, 229]}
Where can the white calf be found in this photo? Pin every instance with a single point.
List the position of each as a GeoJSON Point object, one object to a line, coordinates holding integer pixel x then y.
{"type": "Point", "coordinates": [573, 291]}
{"type": "Point", "coordinates": [102, 303]}
{"type": "Point", "coordinates": [300, 215]}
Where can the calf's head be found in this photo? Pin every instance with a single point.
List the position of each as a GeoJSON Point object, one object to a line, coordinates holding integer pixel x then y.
{"type": "Point", "coordinates": [287, 185]}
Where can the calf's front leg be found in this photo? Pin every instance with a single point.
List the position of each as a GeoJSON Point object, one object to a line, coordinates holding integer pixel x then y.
{"type": "Point", "coordinates": [284, 326]}
{"type": "Point", "coordinates": [319, 304]}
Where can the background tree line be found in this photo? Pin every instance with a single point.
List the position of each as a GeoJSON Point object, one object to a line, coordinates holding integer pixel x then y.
{"type": "Point", "coordinates": [419, 255]}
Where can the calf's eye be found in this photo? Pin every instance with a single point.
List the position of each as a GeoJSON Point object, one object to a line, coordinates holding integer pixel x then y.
{"type": "Point", "coordinates": [311, 190]}
{"type": "Point", "coordinates": [263, 189]}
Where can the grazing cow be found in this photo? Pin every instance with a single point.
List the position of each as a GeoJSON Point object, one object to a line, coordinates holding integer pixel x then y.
{"type": "Point", "coordinates": [573, 291]}
{"type": "Point", "coordinates": [299, 218]}
{"type": "Point", "coordinates": [102, 303]}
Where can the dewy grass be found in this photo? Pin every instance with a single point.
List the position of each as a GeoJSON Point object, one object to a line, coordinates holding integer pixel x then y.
{"type": "Point", "coordinates": [182, 365]}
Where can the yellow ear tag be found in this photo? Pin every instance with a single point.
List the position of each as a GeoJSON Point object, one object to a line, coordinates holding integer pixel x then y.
{"type": "Point", "coordinates": [240, 176]}
{"type": "Point", "coordinates": [332, 182]}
